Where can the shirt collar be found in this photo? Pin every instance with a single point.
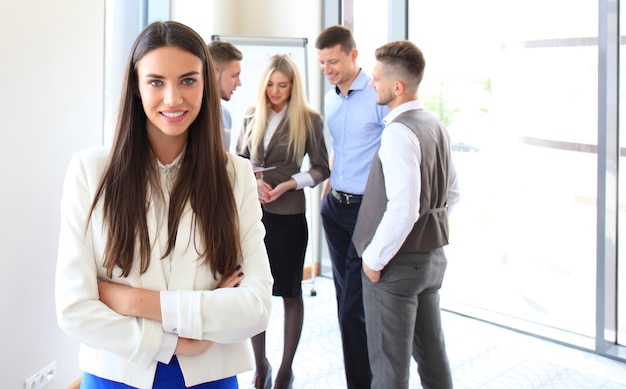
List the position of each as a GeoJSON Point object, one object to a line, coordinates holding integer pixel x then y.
{"type": "Point", "coordinates": [280, 113]}
{"type": "Point", "coordinates": [361, 82]}
{"type": "Point", "coordinates": [174, 164]}
{"type": "Point", "coordinates": [408, 106]}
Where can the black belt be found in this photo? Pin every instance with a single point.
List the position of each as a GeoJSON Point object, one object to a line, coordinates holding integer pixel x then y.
{"type": "Point", "coordinates": [346, 198]}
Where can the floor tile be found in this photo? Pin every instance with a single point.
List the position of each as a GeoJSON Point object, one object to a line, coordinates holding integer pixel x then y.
{"type": "Point", "coordinates": [481, 355]}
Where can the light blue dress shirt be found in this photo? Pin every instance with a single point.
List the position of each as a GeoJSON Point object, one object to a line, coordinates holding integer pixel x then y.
{"type": "Point", "coordinates": [228, 124]}
{"type": "Point", "coordinates": [355, 123]}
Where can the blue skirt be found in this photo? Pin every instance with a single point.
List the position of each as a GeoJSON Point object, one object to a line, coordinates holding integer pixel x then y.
{"type": "Point", "coordinates": [167, 377]}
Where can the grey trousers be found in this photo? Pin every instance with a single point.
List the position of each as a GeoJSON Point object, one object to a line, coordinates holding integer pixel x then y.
{"type": "Point", "coordinates": [403, 318]}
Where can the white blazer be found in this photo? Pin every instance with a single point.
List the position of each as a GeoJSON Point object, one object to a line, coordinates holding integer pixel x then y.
{"type": "Point", "coordinates": [127, 349]}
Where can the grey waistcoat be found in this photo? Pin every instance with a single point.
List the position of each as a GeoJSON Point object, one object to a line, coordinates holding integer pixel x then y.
{"type": "Point", "coordinates": [431, 229]}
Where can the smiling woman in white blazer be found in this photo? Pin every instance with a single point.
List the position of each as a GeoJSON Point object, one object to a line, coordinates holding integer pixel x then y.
{"type": "Point", "coordinates": [162, 269]}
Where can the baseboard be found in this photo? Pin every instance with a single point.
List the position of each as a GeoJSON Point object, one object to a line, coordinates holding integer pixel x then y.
{"type": "Point", "coordinates": [75, 385]}
{"type": "Point", "coordinates": [306, 272]}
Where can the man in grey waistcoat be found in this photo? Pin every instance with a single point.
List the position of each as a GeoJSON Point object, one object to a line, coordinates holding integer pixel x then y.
{"type": "Point", "coordinates": [402, 227]}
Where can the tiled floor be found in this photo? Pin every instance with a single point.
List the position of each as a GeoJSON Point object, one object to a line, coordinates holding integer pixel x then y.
{"type": "Point", "coordinates": [481, 355]}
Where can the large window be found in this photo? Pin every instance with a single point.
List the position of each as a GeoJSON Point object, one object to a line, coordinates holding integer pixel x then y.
{"type": "Point", "coordinates": [517, 88]}
{"type": "Point", "coordinates": [370, 30]}
{"type": "Point", "coordinates": [621, 270]}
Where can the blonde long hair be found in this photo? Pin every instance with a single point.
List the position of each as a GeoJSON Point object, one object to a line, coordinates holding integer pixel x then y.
{"type": "Point", "coordinates": [298, 111]}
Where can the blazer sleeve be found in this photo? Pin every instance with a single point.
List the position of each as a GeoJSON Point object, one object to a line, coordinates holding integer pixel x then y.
{"type": "Point", "coordinates": [80, 313]}
{"type": "Point", "coordinates": [230, 315]}
{"type": "Point", "coordinates": [316, 150]}
{"type": "Point", "coordinates": [243, 147]}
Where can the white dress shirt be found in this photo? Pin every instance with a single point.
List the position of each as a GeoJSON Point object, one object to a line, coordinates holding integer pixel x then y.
{"type": "Point", "coordinates": [401, 157]}
{"type": "Point", "coordinates": [167, 178]}
{"type": "Point", "coordinates": [303, 179]}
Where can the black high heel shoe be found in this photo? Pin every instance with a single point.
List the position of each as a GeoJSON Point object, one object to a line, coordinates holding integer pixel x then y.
{"type": "Point", "coordinates": [290, 383]}
{"type": "Point", "coordinates": [263, 382]}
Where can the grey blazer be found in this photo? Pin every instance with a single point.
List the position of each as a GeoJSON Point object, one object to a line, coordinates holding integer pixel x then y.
{"type": "Point", "coordinates": [293, 201]}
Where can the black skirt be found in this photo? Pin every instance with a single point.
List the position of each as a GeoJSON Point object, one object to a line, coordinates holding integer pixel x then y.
{"type": "Point", "coordinates": [286, 239]}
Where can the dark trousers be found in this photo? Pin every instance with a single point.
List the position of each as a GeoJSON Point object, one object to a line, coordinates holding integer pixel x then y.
{"type": "Point", "coordinates": [338, 221]}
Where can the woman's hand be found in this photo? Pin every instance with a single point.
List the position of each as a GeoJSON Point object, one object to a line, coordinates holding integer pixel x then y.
{"type": "Point", "coordinates": [274, 194]}
{"type": "Point", "coordinates": [263, 189]}
{"type": "Point", "coordinates": [233, 280]}
{"type": "Point", "coordinates": [186, 346]}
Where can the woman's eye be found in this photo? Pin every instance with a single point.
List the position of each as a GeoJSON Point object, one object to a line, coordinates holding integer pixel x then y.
{"type": "Point", "coordinates": [155, 83]}
{"type": "Point", "coordinates": [189, 81]}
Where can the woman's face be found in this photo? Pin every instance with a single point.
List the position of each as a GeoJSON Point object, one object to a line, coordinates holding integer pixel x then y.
{"type": "Point", "coordinates": [171, 85]}
{"type": "Point", "coordinates": [278, 90]}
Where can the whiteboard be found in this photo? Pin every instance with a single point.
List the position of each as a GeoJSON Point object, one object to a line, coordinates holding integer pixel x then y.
{"type": "Point", "coordinates": [256, 51]}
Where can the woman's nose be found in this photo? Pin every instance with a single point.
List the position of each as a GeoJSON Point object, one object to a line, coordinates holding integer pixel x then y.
{"type": "Point", "coordinates": [173, 97]}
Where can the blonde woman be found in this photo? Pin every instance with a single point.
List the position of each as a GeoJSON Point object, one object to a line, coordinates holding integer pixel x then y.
{"type": "Point", "coordinates": [277, 134]}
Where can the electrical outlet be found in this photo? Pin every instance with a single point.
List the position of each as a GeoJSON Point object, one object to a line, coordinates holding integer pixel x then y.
{"type": "Point", "coordinates": [43, 377]}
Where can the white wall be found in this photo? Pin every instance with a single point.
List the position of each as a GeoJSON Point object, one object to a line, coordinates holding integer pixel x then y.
{"type": "Point", "coordinates": [51, 104]}
{"type": "Point", "coordinates": [51, 63]}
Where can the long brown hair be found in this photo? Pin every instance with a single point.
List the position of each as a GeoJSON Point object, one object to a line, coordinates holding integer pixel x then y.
{"type": "Point", "coordinates": [202, 181]}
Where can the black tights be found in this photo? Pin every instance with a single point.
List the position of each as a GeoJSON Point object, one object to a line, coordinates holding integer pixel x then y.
{"type": "Point", "coordinates": [294, 318]}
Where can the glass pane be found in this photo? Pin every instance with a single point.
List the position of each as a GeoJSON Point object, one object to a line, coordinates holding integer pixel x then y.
{"type": "Point", "coordinates": [518, 93]}
{"type": "Point", "coordinates": [369, 35]}
{"type": "Point", "coordinates": [621, 258]}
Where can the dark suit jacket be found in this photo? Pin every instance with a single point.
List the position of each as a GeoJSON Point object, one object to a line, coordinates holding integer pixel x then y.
{"type": "Point", "coordinates": [293, 201]}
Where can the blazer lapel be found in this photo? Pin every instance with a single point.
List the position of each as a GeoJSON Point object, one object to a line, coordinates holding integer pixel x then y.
{"type": "Point", "coordinates": [278, 135]}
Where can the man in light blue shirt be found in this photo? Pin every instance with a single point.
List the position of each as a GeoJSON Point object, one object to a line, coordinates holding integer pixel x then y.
{"type": "Point", "coordinates": [355, 123]}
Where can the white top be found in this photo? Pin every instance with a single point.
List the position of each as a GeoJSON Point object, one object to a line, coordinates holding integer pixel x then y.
{"type": "Point", "coordinates": [303, 179]}
{"type": "Point", "coordinates": [400, 153]}
{"type": "Point", "coordinates": [167, 178]}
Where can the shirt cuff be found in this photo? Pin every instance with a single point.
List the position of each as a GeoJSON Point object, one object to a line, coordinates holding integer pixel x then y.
{"type": "Point", "coordinates": [303, 179]}
{"type": "Point", "coordinates": [180, 313]}
{"type": "Point", "coordinates": [372, 263]}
